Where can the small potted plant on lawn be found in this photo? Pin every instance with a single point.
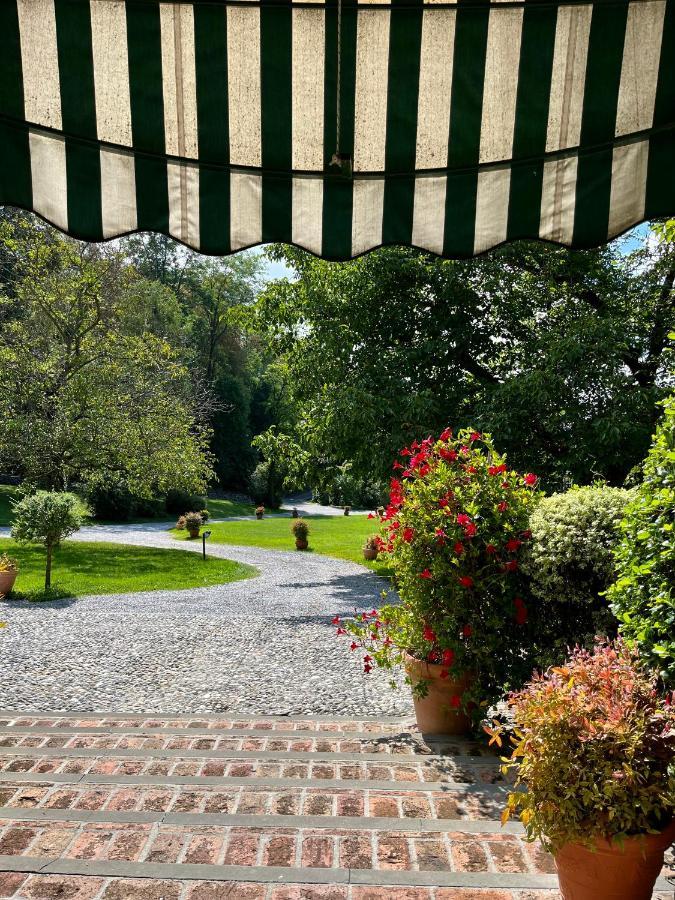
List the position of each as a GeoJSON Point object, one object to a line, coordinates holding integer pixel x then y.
{"type": "Point", "coordinates": [300, 530]}
{"type": "Point", "coordinates": [193, 523]}
{"type": "Point", "coordinates": [9, 569]}
{"type": "Point", "coordinates": [595, 755]}
{"type": "Point", "coordinates": [259, 512]}
{"type": "Point", "coordinates": [204, 513]}
{"type": "Point", "coordinates": [453, 530]}
{"type": "Point", "coordinates": [180, 524]}
{"type": "Point", "coordinates": [294, 513]}
{"type": "Point", "coordinates": [347, 510]}
{"type": "Point", "coordinates": [371, 546]}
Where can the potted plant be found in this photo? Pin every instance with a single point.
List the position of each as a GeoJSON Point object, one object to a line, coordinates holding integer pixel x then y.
{"type": "Point", "coordinates": [193, 523]}
{"type": "Point", "coordinates": [294, 513]}
{"type": "Point", "coordinates": [347, 510]}
{"type": "Point", "coordinates": [259, 512]}
{"type": "Point", "coordinates": [9, 569]}
{"type": "Point", "coordinates": [300, 529]}
{"type": "Point", "coordinates": [594, 755]}
{"type": "Point", "coordinates": [180, 524]}
{"type": "Point", "coordinates": [204, 513]}
{"type": "Point", "coordinates": [453, 530]}
{"type": "Point", "coordinates": [371, 546]}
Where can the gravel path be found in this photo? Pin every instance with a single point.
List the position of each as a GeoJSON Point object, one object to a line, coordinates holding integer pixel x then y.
{"type": "Point", "coordinates": [262, 645]}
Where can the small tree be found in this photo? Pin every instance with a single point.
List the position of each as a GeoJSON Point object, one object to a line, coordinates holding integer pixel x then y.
{"type": "Point", "coordinates": [47, 518]}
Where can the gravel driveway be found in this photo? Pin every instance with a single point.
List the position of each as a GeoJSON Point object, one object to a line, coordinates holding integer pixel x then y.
{"type": "Point", "coordinates": [263, 645]}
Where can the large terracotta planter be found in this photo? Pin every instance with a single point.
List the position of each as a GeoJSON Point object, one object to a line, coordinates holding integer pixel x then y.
{"type": "Point", "coordinates": [370, 553]}
{"type": "Point", "coordinates": [613, 870]}
{"type": "Point", "coordinates": [301, 544]}
{"type": "Point", "coordinates": [435, 713]}
{"type": "Point", "coordinates": [193, 532]}
{"type": "Point", "coordinates": [7, 580]}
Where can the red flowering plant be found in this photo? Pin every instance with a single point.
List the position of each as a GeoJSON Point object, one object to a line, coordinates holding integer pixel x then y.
{"type": "Point", "coordinates": [453, 531]}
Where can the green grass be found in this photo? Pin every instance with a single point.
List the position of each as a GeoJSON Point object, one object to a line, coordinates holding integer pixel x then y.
{"type": "Point", "coordinates": [339, 536]}
{"type": "Point", "coordinates": [218, 509]}
{"type": "Point", "coordinates": [97, 568]}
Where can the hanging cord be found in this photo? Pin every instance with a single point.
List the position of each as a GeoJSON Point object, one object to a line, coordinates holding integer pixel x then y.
{"type": "Point", "coordinates": [339, 160]}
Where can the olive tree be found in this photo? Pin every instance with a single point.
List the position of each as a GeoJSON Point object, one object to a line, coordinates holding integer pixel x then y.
{"type": "Point", "coordinates": [47, 518]}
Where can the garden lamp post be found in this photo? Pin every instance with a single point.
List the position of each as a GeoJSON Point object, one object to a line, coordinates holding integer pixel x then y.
{"type": "Point", "coordinates": [205, 535]}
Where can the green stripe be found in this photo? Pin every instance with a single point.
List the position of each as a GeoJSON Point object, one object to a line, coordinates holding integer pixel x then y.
{"type": "Point", "coordinates": [147, 114]}
{"type": "Point", "coordinates": [338, 196]}
{"type": "Point", "coordinates": [78, 114]}
{"type": "Point", "coordinates": [660, 197]}
{"type": "Point", "coordinates": [598, 123]}
{"type": "Point", "coordinates": [466, 109]}
{"type": "Point", "coordinates": [405, 41]}
{"type": "Point", "coordinates": [212, 126]}
{"type": "Point", "coordinates": [15, 175]}
{"type": "Point", "coordinates": [276, 107]}
{"type": "Point", "coordinates": [532, 105]}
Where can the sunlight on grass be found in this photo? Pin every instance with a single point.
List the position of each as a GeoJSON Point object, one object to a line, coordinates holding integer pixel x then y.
{"type": "Point", "coordinates": [84, 568]}
{"type": "Point", "coordinates": [339, 536]}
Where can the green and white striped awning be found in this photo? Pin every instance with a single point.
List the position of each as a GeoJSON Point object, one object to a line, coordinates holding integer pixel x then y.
{"type": "Point", "coordinates": [463, 124]}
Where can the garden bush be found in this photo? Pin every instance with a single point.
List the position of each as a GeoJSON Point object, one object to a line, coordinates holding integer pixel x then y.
{"type": "Point", "coordinates": [265, 487]}
{"type": "Point", "coordinates": [179, 501]}
{"type": "Point", "coordinates": [643, 595]}
{"type": "Point", "coordinates": [453, 531]}
{"type": "Point", "coordinates": [116, 503]}
{"type": "Point", "coordinates": [347, 489]}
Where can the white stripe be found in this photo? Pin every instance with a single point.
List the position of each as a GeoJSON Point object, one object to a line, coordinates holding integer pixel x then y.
{"type": "Point", "coordinates": [183, 185]}
{"type": "Point", "coordinates": [558, 200]}
{"type": "Point", "coordinates": [39, 62]}
{"type": "Point", "coordinates": [500, 84]}
{"type": "Point", "coordinates": [568, 77]}
{"type": "Point", "coordinates": [243, 73]}
{"type": "Point", "coordinates": [308, 213]}
{"type": "Point", "coordinates": [48, 171]}
{"type": "Point", "coordinates": [640, 66]}
{"type": "Point", "coordinates": [370, 101]}
{"type": "Point", "coordinates": [111, 71]}
{"type": "Point", "coordinates": [492, 208]}
{"type": "Point", "coordinates": [245, 208]}
{"type": "Point", "coordinates": [118, 193]}
{"type": "Point", "coordinates": [435, 89]}
{"type": "Point", "coordinates": [179, 82]}
{"type": "Point", "coordinates": [367, 210]}
{"type": "Point", "coordinates": [307, 93]}
{"type": "Point", "coordinates": [429, 213]}
{"type": "Point", "coordinates": [629, 186]}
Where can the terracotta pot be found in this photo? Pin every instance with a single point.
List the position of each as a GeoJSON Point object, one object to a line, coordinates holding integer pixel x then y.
{"type": "Point", "coordinates": [259, 515]}
{"type": "Point", "coordinates": [370, 552]}
{"type": "Point", "coordinates": [193, 532]}
{"type": "Point", "coordinates": [613, 870]}
{"type": "Point", "coordinates": [347, 510]}
{"type": "Point", "coordinates": [301, 544]}
{"type": "Point", "coordinates": [434, 713]}
{"type": "Point", "coordinates": [7, 580]}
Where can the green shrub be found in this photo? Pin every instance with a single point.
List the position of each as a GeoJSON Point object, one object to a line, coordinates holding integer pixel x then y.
{"type": "Point", "coordinates": [643, 596]}
{"type": "Point", "coordinates": [264, 485]}
{"type": "Point", "coordinates": [47, 518]}
{"type": "Point", "coordinates": [300, 529]}
{"type": "Point", "coordinates": [116, 503]}
{"type": "Point", "coordinates": [179, 501]}
{"type": "Point", "coordinates": [346, 489]}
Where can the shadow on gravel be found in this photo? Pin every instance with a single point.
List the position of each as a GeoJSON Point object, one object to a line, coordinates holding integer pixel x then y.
{"type": "Point", "coordinates": [358, 591]}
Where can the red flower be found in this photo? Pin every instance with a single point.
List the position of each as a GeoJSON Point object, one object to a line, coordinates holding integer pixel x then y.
{"type": "Point", "coordinates": [408, 535]}
{"type": "Point", "coordinates": [497, 470]}
{"type": "Point", "coordinates": [335, 620]}
{"type": "Point", "coordinates": [455, 701]}
{"type": "Point", "coordinates": [471, 470]}
{"type": "Point", "coordinates": [463, 519]}
{"type": "Point", "coordinates": [521, 611]}
{"type": "Point", "coordinates": [512, 545]}
{"type": "Point", "coordinates": [530, 479]}
{"type": "Point", "coordinates": [371, 515]}
{"type": "Point", "coordinates": [503, 506]}
{"type": "Point", "coordinates": [474, 436]}
{"type": "Point", "coordinates": [367, 668]}
{"type": "Point", "coordinates": [511, 565]}
{"type": "Point", "coordinates": [448, 455]}
{"type": "Point", "coordinates": [405, 452]}
{"type": "Point", "coordinates": [340, 631]}
{"type": "Point", "coordinates": [459, 548]}
{"type": "Point", "coordinates": [367, 659]}
{"type": "Point", "coordinates": [526, 535]}
{"type": "Point", "coordinates": [467, 631]}
{"type": "Point", "coordinates": [353, 645]}
{"type": "Point", "coordinates": [426, 574]}
{"type": "Point", "coordinates": [397, 465]}
{"type": "Point", "coordinates": [448, 657]}
{"type": "Point", "coordinates": [443, 502]}
{"type": "Point", "coordinates": [446, 434]}
{"type": "Point", "coordinates": [490, 548]}
{"type": "Point", "coordinates": [466, 581]}
{"type": "Point", "coordinates": [429, 634]}
{"type": "Point", "coordinates": [470, 530]}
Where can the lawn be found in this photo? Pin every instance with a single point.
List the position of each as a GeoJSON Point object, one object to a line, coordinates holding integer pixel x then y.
{"type": "Point", "coordinates": [218, 509]}
{"type": "Point", "coordinates": [98, 568]}
{"type": "Point", "coordinates": [340, 536]}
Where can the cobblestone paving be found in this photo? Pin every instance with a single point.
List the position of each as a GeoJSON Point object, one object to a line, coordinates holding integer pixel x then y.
{"type": "Point", "coordinates": [262, 645]}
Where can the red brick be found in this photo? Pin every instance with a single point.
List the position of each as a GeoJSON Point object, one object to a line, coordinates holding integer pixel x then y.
{"type": "Point", "coordinates": [252, 803]}
{"type": "Point", "coordinates": [447, 807]}
{"type": "Point", "coordinates": [310, 892]}
{"type": "Point", "coordinates": [226, 890]}
{"type": "Point", "coordinates": [165, 848]}
{"type": "Point", "coordinates": [53, 840]}
{"type": "Point", "coordinates": [15, 840]}
{"type": "Point", "coordinates": [157, 801]}
{"type": "Point", "coordinates": [204, 849]}
{"type": "Point", "coordinates": [141, 889]}
{"type": "Point", "coordinates": [242, 848]}
{"type": "Point", "coordinates": [390, 893]}
{"type": "Point", "coordinates": [286, 804]}
{"type": "Point", "coordinates": [383, 806]}
{"type": "Point", "coordinates": [90, 845]}
{"type": "Point", "coordinates": [91, 800]}
{"type": "Point", "coordinates": [189, 801]}
{"type": "Point", "coordinates": [317, 851]}
{"type": "Point", "coordinates": [60, 800]}
{"type": "Point", "coordinates": [477, 894]}
{"type": "Point", "coordinates": [416, 808]}
{"type": "Point", "coordinates": [392, 853]}
{"type": "Point", "coordinates": [27, 797]}
{"type": "Point", "coordinates": [350, 805]}
{"type": "Point", "coordinates": [432, 855]}
{"type": "Point", "coordinates": [279, 851]}
{"type": "Point", "coordinates": [318, 805]}
{"type": "Point", "coordinates": [122, 800]}
{"type": "Point", "coordinates": [10, 882]}
{"type": "Point", "coordinates": [468, 856]}
{"type": "Point", "coordinates": [507, 856]}
{"type": "Point", "coordinates": [219, 803]}
{"type": "Point", "coordinates": [541, 860]}
{"type": "Point", "coordinates": [356, 852]}
{"type": "Point", "coordinates": [127, 845]}
{"type": "Point", "coordinates": [61, 887]}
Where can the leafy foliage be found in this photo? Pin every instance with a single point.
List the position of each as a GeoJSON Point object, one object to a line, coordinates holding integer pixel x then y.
{"type": "Point", "coordinates": [300, 529]}
{"type": "Point", "coordinates": [453, 532]}
{"type": "Point", "coordinates": [8, 563]}
{"type": "Point", "coordinates": [594, 750]}
{"type": "Point", "coordinates": [265, 484]}
{"type": "Point", "coordinates": [643, 596]}
{"type": "Point", "coordinates": [47, 518]}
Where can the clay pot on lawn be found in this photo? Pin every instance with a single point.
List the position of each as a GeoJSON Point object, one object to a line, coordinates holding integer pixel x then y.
{"type": "Point", "coordinates": [7, 579]}
{"type": "Point", "coordinates": [435, 713]}
{"type": "Point", "coordinates": [301, 544]}
{"type": "Point", "coordinates": [613, 870]}
{"type": "Point", "coordinates": [370, 553]}
{"type": "Point", "coordinates": [193, 532]}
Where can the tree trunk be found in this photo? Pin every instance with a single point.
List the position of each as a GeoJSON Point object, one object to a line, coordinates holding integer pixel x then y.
{"type": "Point", "coordinates": [48, 571]}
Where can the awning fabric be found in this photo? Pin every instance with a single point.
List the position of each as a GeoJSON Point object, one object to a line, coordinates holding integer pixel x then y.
{"type": "Point", "coordinates": [467, 124]}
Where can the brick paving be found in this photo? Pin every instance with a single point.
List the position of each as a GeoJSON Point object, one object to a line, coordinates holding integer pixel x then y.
{"type": "Point", "coordinates": [113, 808]}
